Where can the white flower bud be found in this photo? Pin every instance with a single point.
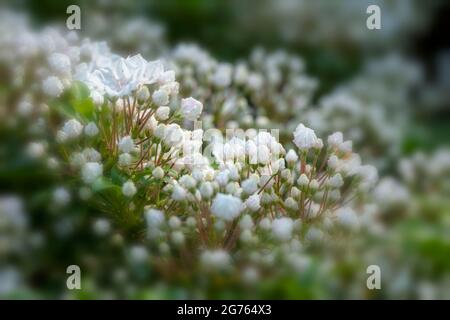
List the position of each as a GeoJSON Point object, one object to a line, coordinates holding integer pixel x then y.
{"type": "Point", "coordinates": [162, 113]}
{"type": "Point", "coordinates": [129, 189]}
{"type": "Point", "coordinates": [160, 97]}
{"type": "Point", "coordinates": [158, 173]}
{"type": "Point", "coordinates": [91, 129]}
{"type": "Point", "coordinates": [253, 202]}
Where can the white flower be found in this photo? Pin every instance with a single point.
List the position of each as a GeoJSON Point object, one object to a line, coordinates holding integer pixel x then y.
{"type": "Point", "coordinates": [217, 259]}
{"type": "Point", "coordinates": [125, 159]}
{"type": "Point", "coordinates": [35, 149]}
{"type": "Point", "coordinates": [126, 144]}
{"type": "Point", "coordinates": [223, 177]}
{"type": "Point", "coordinates": [61, 196]}
{"type": "Point", "coordinates": [335, 139]}
{"type": "Point", "coordinates": [129, 189]}
{"type": "Point", "coordinates": [303, 181]}
{"type": "Point", "coordinates": [250, 185]}
{"type": "Point", "coordinates": [263, 154]}
{"type": "Point", "coordinates": [347, 217]}
{"type": "Point", "coordinates": [191, 108]}
{"type": "Point", "coordinates": [52, 86]}
{"type": "Point", "coordinates": [226, 207]}
{"type": "Point", "coordinates": [346, 147]}
{"type": "Point", "coordinates": [142, 94]}
{"type": "Point", "coordinates": [92, 155]}
{"type": "Point", "coordinates": [91, 171]}
{"type": "Point", "coordinates": [72, 129]}
{"type": "Point", "coordinates": [160, 97]}
{"type": "Point", "coordinates": [173, 134]}
{"type": "Point", "coordinates": [102, 227]}
{"type": "Point", "coordinates": [91, 129]}
{"type": "Point", "coordinates": [305, 138]}
{"type": "Point", "coordinates": [222, 77]}
{"type": "Point", "coordinates": [253, 202]}
{"type": "Point", "coordinates": [174, 222]}
{"type": "Point", "coordinates": [121, 76]}
{"type": "Point", "coordinates": [282, 228]}
{"type": "Point", "coordinates": [187, 181]}
{"type": "Point", "coordinates": [246, 222]}
{"type": "Point", "coordinates": [333, 162]}
{"type": "Point", "coordinates": [162, 113]}
{"type": "Point", "coordinates": [336, 181]}
{"type": "Point", "coordinates": [154, 218]}
{"type": "Point", "coordinates": [158, 173]}
{"type": "Point", "coordinates": [265, 224]}
{"type": "Point", "coordinates": [291, 156]}
{"type": "Point", "coordinates": [206, 190]}
{"type": "Point", "coordinates": [291, 203]}
{"type": "Point", "coordinates": [177, 237]}
{"type": "Point", "coordinates": [178, 193]}
{"type": "Point", "coordinates": [60, 63]}
{"type": "Point", "coordinates": [369, 175]}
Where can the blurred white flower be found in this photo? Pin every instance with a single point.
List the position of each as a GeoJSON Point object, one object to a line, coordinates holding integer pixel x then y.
{"type": "Point", "coordinates": [226, 207]}
{"type": "Point", "coordinates": [191, 108]}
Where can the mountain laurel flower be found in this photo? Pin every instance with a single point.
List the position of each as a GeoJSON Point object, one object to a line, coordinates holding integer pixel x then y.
{"type": "Point", "coordinates": [60, 63]}
{"type": "Point", "coordinates": [91, 171]}
{"type": "Point", "coordinates": [187, 182]}
{"type": "Point", "coordinates": [126, 144]}
{"type": "Point", "coordinates": [333, 162]}
{"type": "Point", "coordinates": [335, 139]}
{"type": "Point", "coordinates": [61, 196]}
{"type": "Point", "coordinates": [125, 159]}
{"type": "Point", "coordinates": [265, 224]}
{"type": "Point", "coordinates": [154, 218]}
{"type": "Point", "coordinates": [162, 113]}
{"type": "Point", "coordinates": [142, 94]}
{"type": "Point", "coordinates": [129, 189]}
{"type": "Point", "coordinates": [347, 217]}
{"type": "Point", "coordinates": [191, 108]}
{"type": "Point", "coordinates": [291, 157]}
{"type": "Point", "coordinates": [158, 173]}
{"type": "Point", "coordinates": [346, 147]}
{"type": "Point", "coordinates": [177, 238]}
{"type": "Point", "coordinates": [35, 150]}
{"type": "Point", "coordinates": [206, 190]}
{"type": "Point", "coordinates": [291, 203]}
{"type": "Point", "coordinates": [178, 193]}
{"type": "Point", "coordinates": [52, 86]}
{"type": "Point", "coordinates": [295, 192]}
{"type": "Point", "coordinates": [160, 97]}
{"type": "Point", "coordinates": [218, 259]}
{"type": "Point", "coordinates": [318, 145]}
{"type": "Point", "coordinates": [253, 202]}
{"type": "Point", "coordinates": [226, 207]}
{"type": "Point", "coordinates": [314, 185]}
{"type": "Point", "coordinates": [174, 222]}
{"type": "Point", "coordinates": [304, 137]}
{"type": "Point", "coordinates": [246, 222]}
{"type": "Point", "coordinates": [72, 129]}
{"type": "Point", "coordinates": [282, 228]}
{"type": "Point", "coordinates": [91, 129]}
{"type": "Point", "coordinates": [303, 181]}
{"type": "Point", "coordinates": [250, 185]}
{"type": "Point", "coordinates": [336, 181]}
